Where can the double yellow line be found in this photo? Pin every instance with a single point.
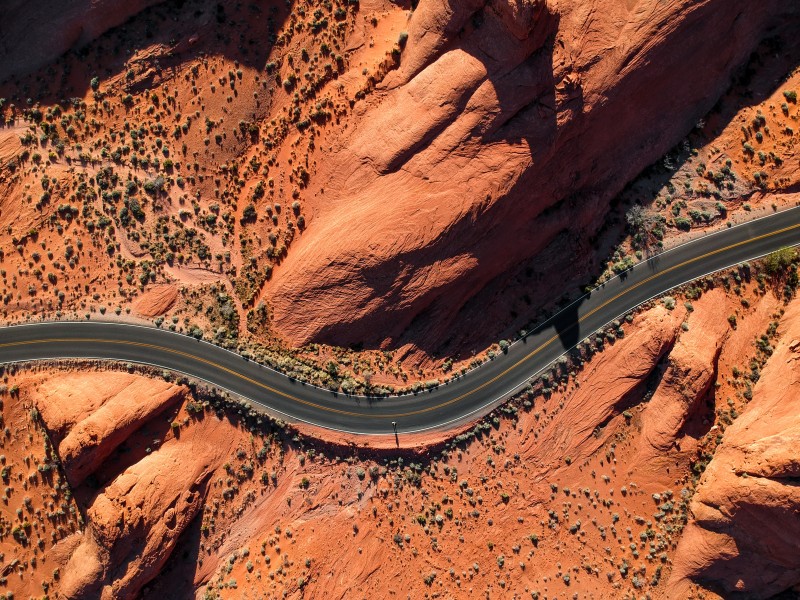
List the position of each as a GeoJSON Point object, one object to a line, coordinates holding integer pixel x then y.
{"type": "Point", "coordinates": [329, 409]}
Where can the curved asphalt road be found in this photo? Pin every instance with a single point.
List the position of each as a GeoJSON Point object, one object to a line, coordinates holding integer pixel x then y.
{"type": "Point", "coordinates": [473, 394]}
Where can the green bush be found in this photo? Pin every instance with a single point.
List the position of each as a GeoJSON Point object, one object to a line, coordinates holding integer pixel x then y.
{"type": "Point", "coordinates": [683, 223]}
{"type": "Point", "coordinates": [249, 213]}
{"type": "Point", "coordinates": [777, 261]}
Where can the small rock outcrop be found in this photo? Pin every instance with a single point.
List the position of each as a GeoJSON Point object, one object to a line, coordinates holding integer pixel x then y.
{"type": "Point", "coordinates": [90, 415]}
{"type": "Point", "coordinates": [156, 301]}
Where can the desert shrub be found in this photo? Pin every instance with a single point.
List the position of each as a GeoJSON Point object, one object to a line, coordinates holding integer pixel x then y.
{"type": "Point", "coordinates": [155, 186]}
{"type": "Point", "coordinates": [249, 214]}
{"type": "Point", "coordinates": [777, 261]}
{"type": "Point", "coordinates": [683, 223]}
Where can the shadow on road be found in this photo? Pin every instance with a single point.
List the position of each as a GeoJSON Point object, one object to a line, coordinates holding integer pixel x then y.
{"type": "Point", "coordinates": [566, 324]}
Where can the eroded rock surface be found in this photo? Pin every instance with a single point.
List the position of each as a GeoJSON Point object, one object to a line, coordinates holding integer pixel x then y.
{"type": "Point", "coordinates": [744, 540]}
{"type": "Point", "coordinates": [135, 508]}
{"type": "Point", "coordinates": [156, 301]}
{"type": "Point", "coordinates": [135, 522]}
{"type": "Point", "coordinates": [608, 384]}
{"type": "Point", "coordinates": [503, 135]}
{"type": "Point", "coordinates": [689, 373]}
{"type": "Point", "coordinates": [91, 415]}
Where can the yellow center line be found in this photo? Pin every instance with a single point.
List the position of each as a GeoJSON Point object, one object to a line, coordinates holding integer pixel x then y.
{"type": "Point", "coordinates": [521, 361]}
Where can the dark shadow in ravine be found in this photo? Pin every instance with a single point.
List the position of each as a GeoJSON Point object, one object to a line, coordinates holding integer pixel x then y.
{"type": "Point", "coordinates": [187, 30]}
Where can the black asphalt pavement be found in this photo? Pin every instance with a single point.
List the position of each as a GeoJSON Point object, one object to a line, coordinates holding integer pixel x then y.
{"type": "Point", "coordinates": [473, 394]}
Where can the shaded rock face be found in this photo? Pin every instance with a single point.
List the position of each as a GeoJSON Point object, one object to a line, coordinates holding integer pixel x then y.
{"type": "Point", "coordinates": [33, 33]}
{"type": "Point", "coordinates": [502, 136]}
{"type": "Point", "coordinates": [744, 539]}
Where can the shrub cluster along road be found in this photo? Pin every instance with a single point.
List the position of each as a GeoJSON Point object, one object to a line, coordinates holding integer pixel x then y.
{"type": "Point", "coordinates": [473, 394]}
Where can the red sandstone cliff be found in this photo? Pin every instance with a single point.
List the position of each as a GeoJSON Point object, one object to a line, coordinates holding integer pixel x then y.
{"type": "Point", "coordinates": [503, 135]}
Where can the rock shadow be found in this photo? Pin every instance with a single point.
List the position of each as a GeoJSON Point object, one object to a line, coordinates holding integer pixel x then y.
{"type": "Point", "coordinates": [185, 30]}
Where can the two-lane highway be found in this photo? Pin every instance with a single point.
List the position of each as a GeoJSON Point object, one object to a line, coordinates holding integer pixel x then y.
{"type": "Point", "coordinates": [473, 394]}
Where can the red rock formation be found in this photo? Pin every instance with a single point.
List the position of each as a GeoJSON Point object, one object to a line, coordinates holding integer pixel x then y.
{"type": "Point", "coordinates": [91, 415]}
{"type": "Point", "coordinates": [505, 132]}
{"type": "Point", "coordinates": [34, 33]}
{"type": "Point", "coordinates": [744, 539]}
{"type": "Point", "coordinates": [690, 373]}
{"type": "Point", "coordinates": [135, 522]}
{"type": "Point", "coordinates": [139, 512]}
{"type": "Point", "coordinates": [606, 384]}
